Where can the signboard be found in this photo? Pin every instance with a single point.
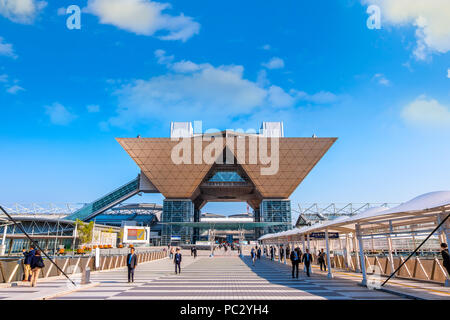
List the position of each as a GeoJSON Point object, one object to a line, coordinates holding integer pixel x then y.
{"type": "Point", "coordinates": [203, 243]}
{"type": "Point", "coordinates": [321, 235]}
{"type": "Point", "coordinates": [133, 234]}
{"type": "Point", "coordinates": [175, 238]}
{"type": "Point", "coordinates": [97, 258]}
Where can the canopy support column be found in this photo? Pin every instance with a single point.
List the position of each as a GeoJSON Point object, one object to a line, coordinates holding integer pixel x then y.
{"type": "Point", "coordinates": [309, 243]}
{"type": "Point", "coordinates": [391, 256]}
{"type": "Point", "coordinates": [355, 249]}
{"type": "Point", "coordinates": [361, 256]}
{"type": "Point", "coordinates": [303, 243]}
{"type": "Point", "coordinates": [330, 274]}
{"type": "Point", "coordinates": [347, 252]}
{"type": "Point", "coordinates": [285, 253]}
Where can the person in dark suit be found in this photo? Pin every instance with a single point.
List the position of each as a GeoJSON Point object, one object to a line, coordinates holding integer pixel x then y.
{"type": "Point", "coordinates": [445, 257]}
{"type": "Point", "coordinates": [281, 253]}
{"type": "Point", "coordinates": [307, 259]}
{"type": "Point", "coordinates": [131, 264]}
{"type": "Point", "coordinates": [295, 260]}
{"type": "Point", "coordinates": [36, 265]}
{"type": "Point", "coordinates": [177, 261]}
{"type": "Point", "coordinates": [28, 256]}
{"type": "Point", "coordinates": [258, 253]}
{"type": "Point", "coordinates": [195, 252]}
{"type": "Point", "coordinates": [271, 253]}
{"type": "Point", "coordinates": [321, 260]}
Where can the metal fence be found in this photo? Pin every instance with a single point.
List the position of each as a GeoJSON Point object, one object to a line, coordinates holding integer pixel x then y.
{"type": "Point", "coordinates": [12, 269]}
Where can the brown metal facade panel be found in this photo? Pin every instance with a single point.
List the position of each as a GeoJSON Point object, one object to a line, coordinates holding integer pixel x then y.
{"type": "Point", "coordinates": [153, 156]}
{"type": "Point", "coordinates": [297, 156]}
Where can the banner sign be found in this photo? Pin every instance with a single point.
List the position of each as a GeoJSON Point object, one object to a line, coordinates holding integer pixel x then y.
{"type": "Point", "coordinates": [321, 235]}
{"type": "Point", "coordinates": [134, 234]}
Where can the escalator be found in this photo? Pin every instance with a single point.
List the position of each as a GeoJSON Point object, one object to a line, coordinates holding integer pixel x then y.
{"type": "Point", "coordinates": [87, 212]}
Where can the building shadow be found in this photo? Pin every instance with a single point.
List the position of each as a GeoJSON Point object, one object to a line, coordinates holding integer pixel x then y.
{"type": "Point", "coordinates": [280, 274]}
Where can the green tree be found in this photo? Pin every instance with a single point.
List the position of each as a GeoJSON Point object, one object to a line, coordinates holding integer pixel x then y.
{"type": "Point", "coordinates": [85, 231]}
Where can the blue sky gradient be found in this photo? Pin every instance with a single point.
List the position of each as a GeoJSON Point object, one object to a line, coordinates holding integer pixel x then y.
{"type": "Point", "coordinates": [66, 94]}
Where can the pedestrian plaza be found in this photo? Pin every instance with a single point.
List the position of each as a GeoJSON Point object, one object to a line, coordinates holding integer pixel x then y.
{"type": "Point", "coordinates": [224, 276]}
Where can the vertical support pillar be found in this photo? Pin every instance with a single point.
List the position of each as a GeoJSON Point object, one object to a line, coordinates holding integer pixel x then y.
{"type": "Point", "coordinates": [391, 256]}
{"type": "Point", "coordinates": [346, 252]}
{"type": "Point", "coordinates": [74, 239]}
{"type": "Point", "coordinates": [355, 249]}
{"type": "Point", "coordinates": [361, 256]}
{"type": "Point", "coordinates": [309, 243]}
{"type": "Point", "coordinates": [3, 246]}
{"type": "Point", "coordinates": [303, 243]}
{"type": "Point", "coordinates": [285, 253]}
{"type": "Point", "coordinates": [330, 274]}
{"type": "Point", "coordinates": [278, 249]}
{"type": "Point", "coordinates": [444, 230]}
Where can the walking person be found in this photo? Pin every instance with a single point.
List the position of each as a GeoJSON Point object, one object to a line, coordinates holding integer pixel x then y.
{"type": "Point", "coordinates": [307, 259]}
{"type": "Point", "coordinates": [258, 253]}
{"type": "Point", "coordinates": [36, 265]}
{"type": "Point", "coordinates": [295, 259]}
{"type": "Point", "coordinates": [28, 256]}
{"type": "Point", "coordinates": [172, 250]}
{"type": "Point", "coordinates": [195, 252]}
{"type": "Point", "coordinates": [445, 258]}
{"type": "Point", "coordinates": [253, 254]}
{"type": "Point", "coordinates": [177, 261]}
{"type": "Point", "coordinates": [131, 264]}
{"type": "Point", "coordinates": [271, 253]}
{"type": "Point", "coordinates": [321, 260]}
{"type": "Point", "coordinates": [281, 253]}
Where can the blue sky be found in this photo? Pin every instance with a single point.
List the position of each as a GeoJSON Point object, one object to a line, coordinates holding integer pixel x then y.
{"type": "Point", "coordinates": [136, 65]}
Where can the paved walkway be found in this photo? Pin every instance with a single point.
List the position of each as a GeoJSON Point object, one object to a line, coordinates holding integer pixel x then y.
{"type": "Point", "coordinates": [221, 277]}
{"type": "Point", "coordinates": [408, 288]}
{"type": "Point", "coordinates": [225, 276]}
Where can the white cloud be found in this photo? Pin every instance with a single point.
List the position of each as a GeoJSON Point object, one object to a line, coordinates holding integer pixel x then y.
{"type": "Point", "coordinates": [262, 79]}
{"type": "Point", "coordinates": [21, 11]}
{"type": "Point", "coordinates": [266, 47]}
{"type": "Point", "coordinates": [274, 63]}
{"type": "Point", "coordinates": [93, 108]}
{"type": "Point", "coordinates": [381, 79]}
{"type": "Point", "coordinates": [280, 98]}
{"type": "Point", "coordinates": [14, 89]}
{"type": "Point", "coordinates": [448, 73]}
{"type": "Point", "coordinates": [59, 114]}
{"type": "Point", "coordinates": [3, 77]}
{"type": "Point", "coordinates": [6, 49]}
{"type": "Point", "coordinates": [144, 17]}
{"type": "Point", "coordinates": [321, 97]}
{"type": "Point", "coordinates": [425, 111]}
{"type": "Point", "coordinates": [186, 66]}
{"type": "Point", "coordinates": [431, 18]}
{"type": "Point", "coordinates": [198, 91]}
